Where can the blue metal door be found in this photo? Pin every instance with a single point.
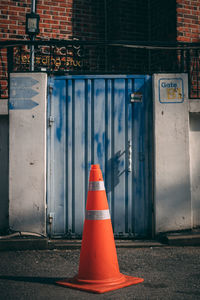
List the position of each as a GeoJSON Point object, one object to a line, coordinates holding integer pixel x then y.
{"type": "Point", "coordinates": [104, 120]}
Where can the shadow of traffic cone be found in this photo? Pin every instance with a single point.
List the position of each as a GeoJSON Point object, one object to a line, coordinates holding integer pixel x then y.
{"type": "Point", "coordinates": [98, 266]}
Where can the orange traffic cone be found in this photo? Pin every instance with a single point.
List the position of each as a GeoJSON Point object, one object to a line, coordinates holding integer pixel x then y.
{"type": "Point", "coordinates": [98, 267]}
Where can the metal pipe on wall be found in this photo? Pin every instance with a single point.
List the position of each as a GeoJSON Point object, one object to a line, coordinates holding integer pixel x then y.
{"type": "Point", "coordinates": [32, 52]}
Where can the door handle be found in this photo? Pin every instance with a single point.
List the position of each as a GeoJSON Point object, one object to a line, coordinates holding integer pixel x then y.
{"type": "Point", "coordinates": [129, 156]}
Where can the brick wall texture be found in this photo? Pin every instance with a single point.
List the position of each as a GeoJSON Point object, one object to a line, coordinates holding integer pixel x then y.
{"type": "Point", "coordinates": [60, 19]}
{"type": "Point", "coordinates": [188, 20]}
{"type": "Point", "coordinates": [188, 30]}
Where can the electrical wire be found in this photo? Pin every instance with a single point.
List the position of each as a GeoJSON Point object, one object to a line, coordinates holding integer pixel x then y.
{"type": "Point", "coordinates": [21, 234]}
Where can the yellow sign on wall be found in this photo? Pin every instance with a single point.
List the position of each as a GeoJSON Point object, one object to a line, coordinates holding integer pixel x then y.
{"type": "Point", "coordinates": [171, 90]}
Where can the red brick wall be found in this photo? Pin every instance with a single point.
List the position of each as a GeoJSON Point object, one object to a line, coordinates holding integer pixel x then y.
{"type": "Point", "coordinates": [60, 19]}
{"type": "Point", "coordinates": [12, 25]}
{"type": "Point", "coordinates": [188, 30]}
{"type": "Point", "coordinates": [12, 18]}
{"type": "Point", "coordinates": [188, 20]}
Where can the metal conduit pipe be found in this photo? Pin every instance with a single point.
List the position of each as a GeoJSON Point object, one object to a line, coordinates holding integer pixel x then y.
{"type": "Point", "coordinates": [21, 233]}
{"type": "Point", "coordinates": [32, 52]}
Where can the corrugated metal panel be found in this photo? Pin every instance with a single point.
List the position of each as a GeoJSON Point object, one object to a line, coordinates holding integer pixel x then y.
{"type": "Point", "coordinates": [94, 124]}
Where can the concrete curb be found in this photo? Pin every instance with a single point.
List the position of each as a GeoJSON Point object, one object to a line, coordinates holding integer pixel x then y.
{"type": "Point", "coordinates": [61, 244]}
{"type": "Point", "coordinates": [76, 244]}
{"type": "Point", "coordinates": [23, 244]}
{"type": "Point", "coordinates": [183, 239]}
{"type": "Point", "coordinates": [46, 244]}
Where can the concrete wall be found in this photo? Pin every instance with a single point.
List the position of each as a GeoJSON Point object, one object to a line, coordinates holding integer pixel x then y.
{"type": "Point", "coordinates": [3, 165]}
{"type": "Point", "coordinates": [194, 136]}
{"type": "Point", "coordinates": [27, 152]}
{"type": "Point", "coordinates": [172, 165]}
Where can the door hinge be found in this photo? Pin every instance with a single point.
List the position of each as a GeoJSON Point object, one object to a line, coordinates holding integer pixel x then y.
{"type": "Point", "coordinates": [50, 218]}
{"type": "Point", "coordinates": [50, 89]}
{"type": "Point", "coordinates": [51, 120]}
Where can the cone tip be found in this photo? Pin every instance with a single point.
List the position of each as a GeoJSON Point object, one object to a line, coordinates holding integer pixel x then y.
{"type": "Point", "coordinates": [95, 167]}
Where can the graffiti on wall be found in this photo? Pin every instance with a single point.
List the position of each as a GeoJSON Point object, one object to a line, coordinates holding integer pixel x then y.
{"type": "Point", "coordinates": [52, 58]}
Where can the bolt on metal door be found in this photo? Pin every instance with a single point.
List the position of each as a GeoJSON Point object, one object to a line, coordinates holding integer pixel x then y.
{"type": "Point", "coordinates": [99, 120]}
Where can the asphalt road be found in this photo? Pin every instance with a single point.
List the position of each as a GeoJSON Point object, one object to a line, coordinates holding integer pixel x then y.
{"type": "Point", "coordinates": [168, 272]}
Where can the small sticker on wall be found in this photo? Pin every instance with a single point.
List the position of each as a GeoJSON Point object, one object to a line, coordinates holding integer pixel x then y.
{"type": "Point", "coordinates": [171, 90]}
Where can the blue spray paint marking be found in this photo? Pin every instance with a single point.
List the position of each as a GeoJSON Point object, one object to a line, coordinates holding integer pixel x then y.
{"type": "Point", "coordinates": [78, 95]}
{"type": "Point", "coordinates": [99, 150]}
{"type": "Point", "coordinates": [22, 104]}
{"type": "Point", "coordinates": [59, 128]}
{"type": "Point", "coordinates": [58, 133]}
{"type": "Point", "coordinates": [120, 97]}
{"type": "Point", "coordinates": [120, 117]}
{"type": "Point", "coordinates": [103, 138]}
{"type": "Point", "coordinates": [60, 92]}
{"type": "Point", "coordinates": [121, 163]}
{"type": "Point", "coordinates": [98, 92]}
{"type": "Point", "coordinates": [69, 98]}
{"type": "Point", "coordinates": [96, 137]}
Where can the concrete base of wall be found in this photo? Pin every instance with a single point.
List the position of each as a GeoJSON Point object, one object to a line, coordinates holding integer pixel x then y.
{"type": "Point", "coordinates": [192, 239]}
{"type": "Point", "coordinates": [24, 244]}
{"type": "Point", "coordinates": [183, 239]}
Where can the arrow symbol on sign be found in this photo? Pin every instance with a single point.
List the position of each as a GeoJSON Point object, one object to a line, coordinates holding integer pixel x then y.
{"type": "Point", "coordinates": [22, 104]}
{"type": "Point", "coordinates": [23, 93]}
{"type": "Point", "coordinates": [22, 82]}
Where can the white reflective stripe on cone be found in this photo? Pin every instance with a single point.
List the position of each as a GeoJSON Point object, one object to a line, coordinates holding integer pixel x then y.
{"type": "Point", "coordinates": [97, 214]}
{"type": "Point", "coordinates": [96, 186]}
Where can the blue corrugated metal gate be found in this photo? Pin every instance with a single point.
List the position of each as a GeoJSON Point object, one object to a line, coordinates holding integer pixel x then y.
{"type": "Point", "coordinates": [93, 121]}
